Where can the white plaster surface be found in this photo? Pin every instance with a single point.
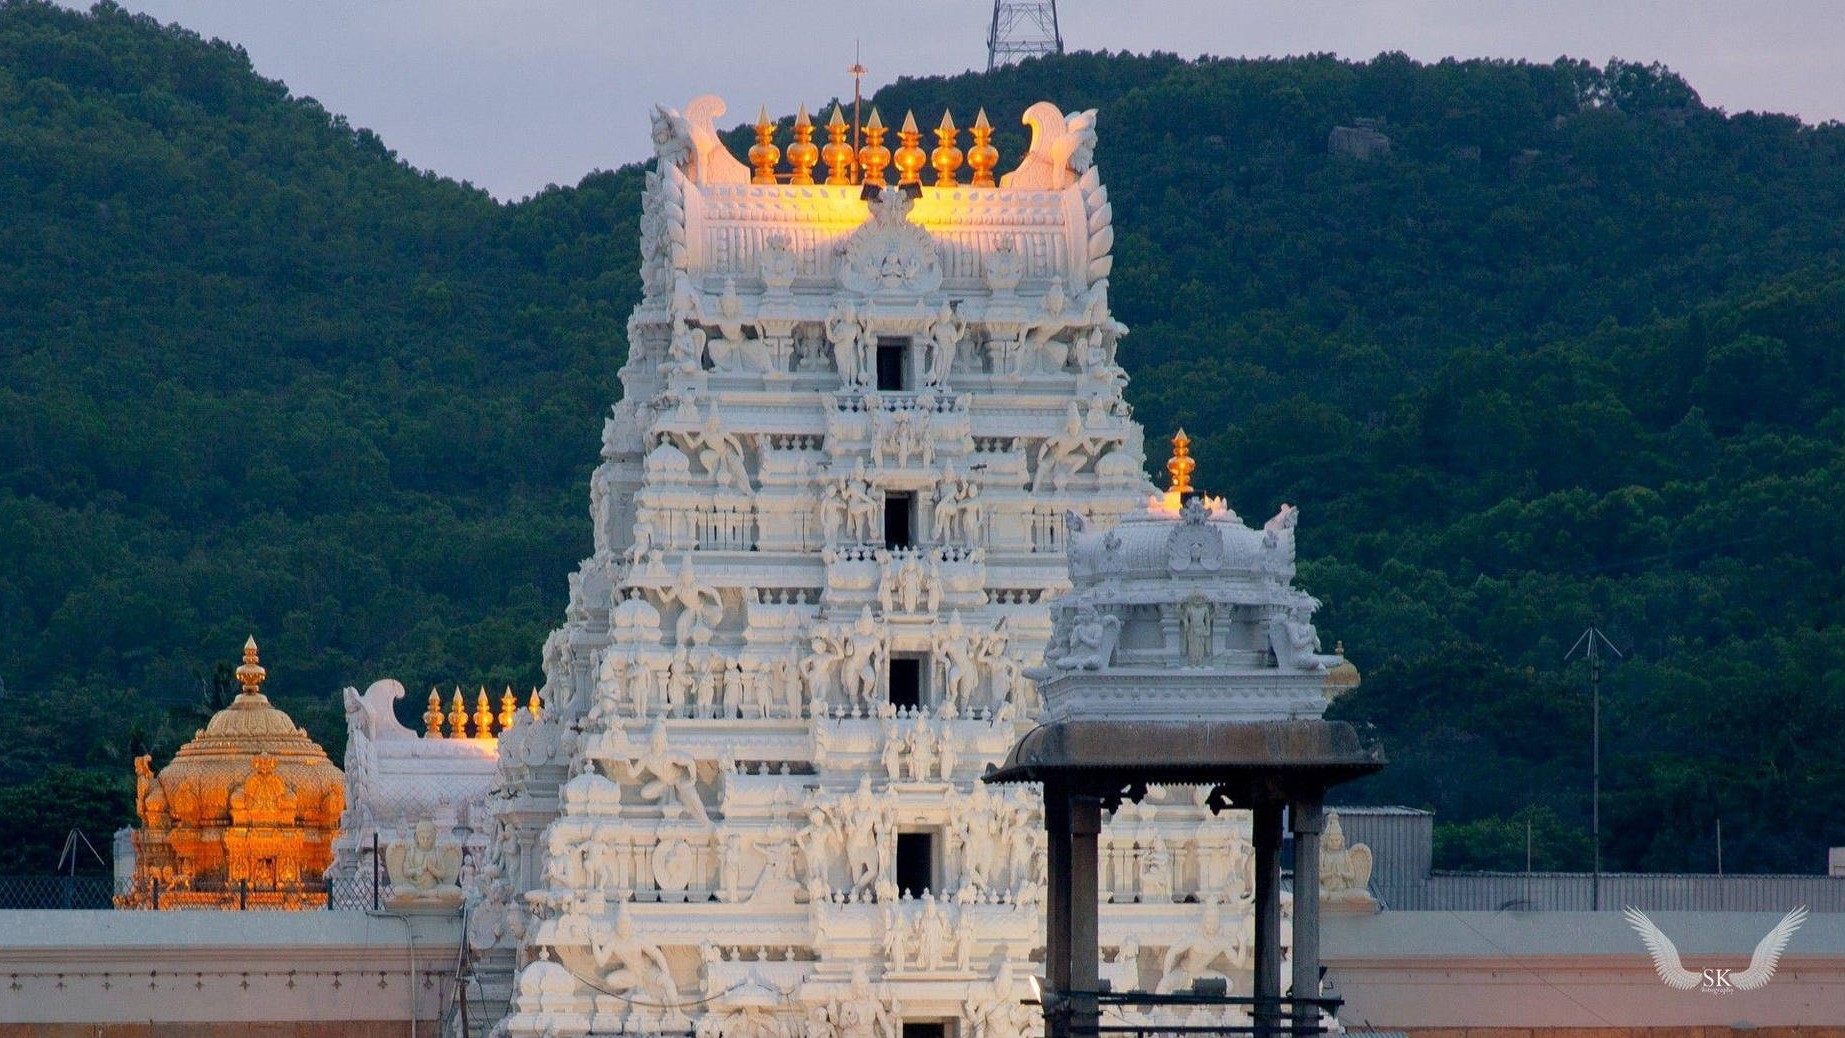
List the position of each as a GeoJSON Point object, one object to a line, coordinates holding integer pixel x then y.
{"type": "Point", "coordinates": [100, 967]}
{"type": "Point", "coordinates": [1404, 970]}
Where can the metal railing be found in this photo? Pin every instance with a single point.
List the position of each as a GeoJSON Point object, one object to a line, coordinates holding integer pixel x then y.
{"type": "Point", "coordinates": [1576, 892]}
{"type": "Point", "coordinates": [1189, 1014]}
{"type": "Point", "coordinates": [39, 893]}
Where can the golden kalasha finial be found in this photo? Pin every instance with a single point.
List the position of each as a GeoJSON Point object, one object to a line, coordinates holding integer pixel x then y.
{"type": "Point", "coordinates": [946, 158]}
{"type": "Point", "coordinates": [874, 156]}
{"type": "Point", "coordinates": [802, 154]}
{"type": "Point", "coordinates": [533, 704]}
{"type": "Point", "coordinates": [508, 707]}
{"type": "Point", "coordinates": [458, 716]}
{"type": "Point", "coordinates": [910, 158]}
{"type": "Point", "coordinates": [251, 675]}
{"type": "Point", "coordinates": [483, 716]}
{"type": "Point", "coordinates": [837, 154]}
{"type": "Point", "coordinates": [1180, 467]}
{"type": "Point", "coordinates": [432, 717]}
{"type": "Point", "coordinates": [983, 156]}
{"type": "Point", "coordinates": [765, 154]}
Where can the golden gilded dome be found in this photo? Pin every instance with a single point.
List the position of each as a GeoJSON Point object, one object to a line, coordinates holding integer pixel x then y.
{"type": "Point", "coordinates": [250, 800]}
{"type": "Point", "coordinates": [1342, 678]}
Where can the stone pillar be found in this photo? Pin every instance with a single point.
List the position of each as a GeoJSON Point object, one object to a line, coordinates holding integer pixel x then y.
{"type": "Point", "coordinates": [1085, 955]}
{"type": "Point", "coordinates": [1266, 836]}
{"type": "Point", "coordinates": [1308, 820]}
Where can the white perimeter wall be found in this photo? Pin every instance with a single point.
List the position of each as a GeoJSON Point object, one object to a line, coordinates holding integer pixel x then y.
{"type": "Point", "coordinates": [108, 967]}
{"type": "Point", "coordinates": [1427, 970]}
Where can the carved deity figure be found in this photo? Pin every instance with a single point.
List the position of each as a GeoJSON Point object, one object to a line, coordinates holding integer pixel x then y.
{"type": "Point", "coordinates": [832, 512]}
{"type": "Point", "coordinates": [843, 332]}
{"type": "Point", "coordinates": [1345, 872]}
{"type": "Point", "coordinates": [776, 264]}
{"type": "Point", "coordinates": [997, 1013]}
{"type": "Point", "coordinates": [961, 675]}
{"type": "Point", "coordinates": [1297, 644]}
{"type": "Point", "coordinates": [699, 603]}
{"type": "Point", "coordinates": [1062, 453]}
{"type": "Point", "coordinates": [932, 937]}
{"type": "Point", "coordinates": [264, 798]}
{"type": "Point", "coordinates": [150, 797]}
{"type": "Point", "coordinates": [1156, 872]}
{"type": "Point", "coordinates": [686, 351]}
{"type": "Point", "coordinates": [631, 965]}
{"type": "Point", "coordinates": [1051, 352]}
{"type": "Point", "coordinates": [1002, 266]}
{"type": "Point", "coordinates": [861, 506]}
{"type": "Point", "coordinates": [919, 749]}
{"type": "Point", "coordinates": [638, 684]}
{"type": "Point", "coordinates": [669, 772]}
{"type": "Point", "coordinates": [721, 453]}
{"type": "Point", "coordinates": [945, 334]}
{"type": "Point", "coordinates": [727, 350]}
{"type": "Point", "coordinates": [1091, 641]}
{"type": "Point", "coordinates": [864, 652]}
{"type": "Point", "coordinates": [866, 830]}
{"type": "Point", "coordinates": [864, 1012]}
{"type": "Point", "coordinates": [991, 656]}
{"type": "Point", "coordinates": [424, 868]}
{"type": "Point", "coordinates": [776, 882]}
{"type": "Point", "coordinates": [910, 583]}
{"type": "Point", "coordinates": [1205, 955]}
{"type": "Point", "coordinates": [1196, 616]}
{"type": "Point", "coordinates": [820, 669]}
{"type": "Point", "coordinates": [820, 844]}
{"type": "Point", "coordinates": [891, 754]}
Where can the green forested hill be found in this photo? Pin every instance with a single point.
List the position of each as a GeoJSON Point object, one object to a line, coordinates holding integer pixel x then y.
{"type": "Point", "coordinates": [1570, 353]}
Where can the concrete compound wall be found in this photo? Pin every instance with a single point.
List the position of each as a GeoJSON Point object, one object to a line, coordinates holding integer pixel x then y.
{"type": "Point", "coordinates": [280, 974]}
{"type": "Point", "coordinates": [1432, 974]}
{"type": "Point", "coordinates": [1568, 974]}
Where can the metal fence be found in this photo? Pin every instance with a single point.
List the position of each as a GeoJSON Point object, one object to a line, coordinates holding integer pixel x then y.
{"type": "Point", "coordinates": [94, 892]}
{"type": "Point", "coordinates": [1576, 892]}
{"type": "Point", "coordinates": [40, 892]}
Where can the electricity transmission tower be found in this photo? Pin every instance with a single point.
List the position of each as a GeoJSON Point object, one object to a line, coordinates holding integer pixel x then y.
{"type": "Point", "coordinates": [1022, 30]}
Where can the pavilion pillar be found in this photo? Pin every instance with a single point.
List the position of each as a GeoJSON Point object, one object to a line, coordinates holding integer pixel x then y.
{"type": "Point", "coordinates": [1057, 910]}
{"type": "Point", "coordinates": [1308, 820]}
{"type": "Point", "coordinates": [1085, 827]}
{"type": "Point", "coordinates": [1266, 836]}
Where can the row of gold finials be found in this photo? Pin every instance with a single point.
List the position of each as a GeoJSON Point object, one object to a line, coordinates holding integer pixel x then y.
{"type": "Point", "coordinates": [486, 723]}
{"type": "Point", "coordinates": [867, 163]}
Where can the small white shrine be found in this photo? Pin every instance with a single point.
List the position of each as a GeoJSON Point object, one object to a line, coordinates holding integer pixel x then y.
{"type": "Point", "coordinates": [859, 421]}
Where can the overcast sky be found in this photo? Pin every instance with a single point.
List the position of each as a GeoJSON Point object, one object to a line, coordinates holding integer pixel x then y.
{"type": "Point", "coordinates": [515, 94]}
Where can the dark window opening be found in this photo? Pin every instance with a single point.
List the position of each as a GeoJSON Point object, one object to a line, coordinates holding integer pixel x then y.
{"type": "Point", "coordinates": [915, 869]}
{"type": "Point", "coordinates": [890, 366]}
{"type": "Point", "coordinates": [925, 1029]}
{"type": "Point", "coordinates": [906, 681]}
{"type": "Point", "coordinates": [899, 520]}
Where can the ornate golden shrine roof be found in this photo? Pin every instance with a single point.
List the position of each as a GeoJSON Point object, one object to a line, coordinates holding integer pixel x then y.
{"type": "Point", "coordinates": [250, 804]}
{"type": "Point", "coordinates": [222, 755]}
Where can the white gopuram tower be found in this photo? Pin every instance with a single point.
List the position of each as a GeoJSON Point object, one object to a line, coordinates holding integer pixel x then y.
{"type": "Point", "coordinates": [830, 514]}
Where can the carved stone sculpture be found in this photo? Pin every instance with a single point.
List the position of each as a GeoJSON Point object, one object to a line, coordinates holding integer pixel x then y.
{"type": "Point", "coordinates": [630, 965]}
{"type": "Point", "coordinates": [1195, 627]}
{"type": "Point", "coordinates": [1345, 871]}
{"type": "Point", "coordinates": [1207, 954]}
{"type": "Point", "coordinates": [424, 869]}
{"type": "Point", "coordinates": [1297, 645]}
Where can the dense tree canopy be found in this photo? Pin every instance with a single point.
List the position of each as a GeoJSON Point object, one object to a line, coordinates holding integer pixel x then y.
{"type": "Point", "coordinates": [1570, 352]}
